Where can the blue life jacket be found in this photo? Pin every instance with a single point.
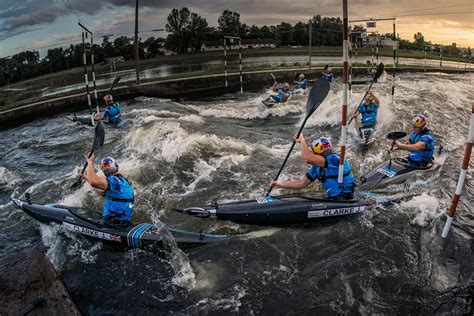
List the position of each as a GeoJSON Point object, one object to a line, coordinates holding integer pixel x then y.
{"type": "Point", "coordinates": [113, 113]}
{"type": "Point", "coordinates": [328, 77]}
{"type": "Point", "coordinates": [301, 84]}
{"type": "Point", "coordinates": [280, 97]}
{"type": "Point", "coordinates": [423, 156]}
{"type": "Point", "coordinates": [119, 199]}
{"type": "Point", "coordinates": [328, 176]}
{"type": "Point", "coordinates": [369, 112]}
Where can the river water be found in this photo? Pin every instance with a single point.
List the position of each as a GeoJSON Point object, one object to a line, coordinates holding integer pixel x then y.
{"type": "Point", "coordinates": [386, 261]}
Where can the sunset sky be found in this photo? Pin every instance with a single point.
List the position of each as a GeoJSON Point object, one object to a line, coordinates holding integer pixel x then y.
{"type": "Point", "coordinates": [37, 24]}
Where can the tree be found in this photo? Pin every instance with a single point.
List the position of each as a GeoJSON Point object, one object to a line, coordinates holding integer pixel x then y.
{"type": "Point", "coordinates": [187, 29]}
{"type": "Point", "coordinates": [229, 23]}
{"type": "Point", "coordinates": [419, 39]}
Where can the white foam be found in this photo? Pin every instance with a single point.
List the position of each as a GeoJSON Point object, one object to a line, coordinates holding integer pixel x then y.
{"type": "Point", "coordinates": [427, 209]}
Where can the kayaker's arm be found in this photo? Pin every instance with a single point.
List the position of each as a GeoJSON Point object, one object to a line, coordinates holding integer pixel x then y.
{"type": "Point", "coordinates": [291, 184]}
{"type": "Point", "coordinates": [91, 177]}
{"type": "Point", "coordinates": [99, 117]}
{"type": "Point", "coordinates": [410, 147]}
{"type": "Point", "coordinates": [308, 155]}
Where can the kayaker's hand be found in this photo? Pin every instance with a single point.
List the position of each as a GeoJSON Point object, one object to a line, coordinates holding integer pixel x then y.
{"type": "Point", "coordinates": [274, 184]}
{"type": "Point", "coordinates": [298, 139]}
{"type": "Point", "coordinates": [394, 145]}
{"type": "Point", "coordinates": [90, 160]}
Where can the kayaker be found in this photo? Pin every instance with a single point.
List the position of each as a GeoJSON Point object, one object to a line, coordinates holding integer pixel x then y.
{"type": "Point", "coordinates": [283, 93]}
{"type": "Point", "coordinates": [327, 73]}
{"type": "Point", "coordinates": [421, 143]}
{"type": "Point", "coordinates": [115, 188]}
{"type": "Point", "coordinates": [301, 82]}
{"type": "Point", "coordinates": [325, 168]}
{"type": "Point", "coordinates": [112, 112]}
{"type": "Point", "coordinates": [368, 109]}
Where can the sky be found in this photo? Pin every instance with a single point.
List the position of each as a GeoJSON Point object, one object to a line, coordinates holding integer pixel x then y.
{"type": "Point", "coordinates": [40, 24]}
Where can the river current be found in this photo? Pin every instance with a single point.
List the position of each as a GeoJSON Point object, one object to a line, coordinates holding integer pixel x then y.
{"type": "Point", "coordinates": [389, 260]}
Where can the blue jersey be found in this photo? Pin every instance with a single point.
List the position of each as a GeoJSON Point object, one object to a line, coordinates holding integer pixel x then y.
{"type": "Point", "coordinates": [301, 84]}
{"type": "Point", "coordinates": [113, 113]}
{"type": "Point", "coordinates": [369, 113]}
{"type": "Point", "coordinates": [423, 156]}
{"type": "Point", "coordinates": [119, 199]}
{"type": "Point", "coordinates": [328, 176]}
{"type": "Point", "coordinates": [327, 77]}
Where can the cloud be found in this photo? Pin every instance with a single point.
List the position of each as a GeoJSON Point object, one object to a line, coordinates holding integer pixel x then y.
{"type": "Point", "coordinates": [8, 34]}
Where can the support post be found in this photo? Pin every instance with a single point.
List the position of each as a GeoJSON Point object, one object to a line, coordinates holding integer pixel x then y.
{"type": "Point", "coordinates": [310, 43]}
{"type": "Point", "coordinates": [97, 110]}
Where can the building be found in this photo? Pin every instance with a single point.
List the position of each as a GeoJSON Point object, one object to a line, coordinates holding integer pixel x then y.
{"type": "Point", "coordinates": [363, 39]}
{"type": "Point", "coordinates": [246, 44]}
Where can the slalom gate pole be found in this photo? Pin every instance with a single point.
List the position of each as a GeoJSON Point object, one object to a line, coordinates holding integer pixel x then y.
{"type": "Point", "coordinates": [240, 65]}
{"type": "Point", "coordinates": [84, 62]}
{"type": "Point", "coordinates": [345, 88]}
{"type": "Point", "coordinates": [395, 64]}
{"type": "Point", "coordinates": [462, 176]}
{"type": "Point", "coordinates": [93, 75]}
{"type": "Point", "coordinates": [225, 61]}
{"type": "Point", "coordinates": [350, 67]}
{"type": "Point", "coordinates": [441, 58]}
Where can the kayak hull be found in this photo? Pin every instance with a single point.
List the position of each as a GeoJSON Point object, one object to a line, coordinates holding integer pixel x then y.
{"type": "Point", "coordinates": [279, 210]}
{"type": "Point", "coordinates": [143, 236]}
{"type": "Point", "coordinates": [398, 170]}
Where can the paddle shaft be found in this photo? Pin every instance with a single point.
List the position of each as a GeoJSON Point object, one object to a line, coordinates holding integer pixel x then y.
{"type": "Point", "coordinates": [288, 154]}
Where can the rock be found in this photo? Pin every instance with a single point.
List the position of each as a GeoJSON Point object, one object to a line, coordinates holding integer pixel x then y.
{"type": "Point", "coordinates": [29, 281]}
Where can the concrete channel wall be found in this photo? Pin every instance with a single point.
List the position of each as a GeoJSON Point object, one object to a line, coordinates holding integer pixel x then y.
{"type": "Point", "coordinates": [184, 88]}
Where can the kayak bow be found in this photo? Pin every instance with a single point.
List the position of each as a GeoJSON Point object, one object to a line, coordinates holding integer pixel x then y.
{"type": "Point", "coordinates": [88, 224]}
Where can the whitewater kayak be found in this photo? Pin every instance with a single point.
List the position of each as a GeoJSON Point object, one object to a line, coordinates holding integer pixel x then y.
{"type": "Point", "coordinates": [87, 223]}
{"type": "Point", "coordinates": [289, 209]}
{"type": "Point", "coordinates": [398, 170]}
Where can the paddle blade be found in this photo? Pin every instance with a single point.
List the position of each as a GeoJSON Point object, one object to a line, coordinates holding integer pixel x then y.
{"type": "Point", "coordinates": [318, 93]}
{"type": "Point", "coordinates": [396, 135]}
{"type": "Point", "coordinates": [379, 71]}
{"type": "Point", "coordinates": [114, 83]}
{"type": "Point", "coordinates": [99, 136]}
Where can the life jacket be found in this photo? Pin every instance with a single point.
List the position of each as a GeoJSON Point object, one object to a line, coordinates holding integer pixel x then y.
{"type": "Point", "coordinates": [329, 174]}
{"type": "Point", "coordinates": [301, 84]}
{"type": "Point", "coordinates": [113, 113]}
{"type": "Point", "coordinates": [423, 156]}
{"type": "Point", "coordinates": [119, 198]}
{"type": "Point", "coordinates": [369, 112]}
{"type": "Point", "coordinates": [327, 77]}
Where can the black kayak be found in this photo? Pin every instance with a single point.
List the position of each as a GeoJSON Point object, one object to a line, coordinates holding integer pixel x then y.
{"type": "Point", "coordinates": [398, 170]}
{"type": "Point", "coordinates": [87, 223]}
{"type": "Point", "coordinates": [289, 209]}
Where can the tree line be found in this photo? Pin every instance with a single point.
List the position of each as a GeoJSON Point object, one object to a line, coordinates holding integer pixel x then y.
{"type": "Point", "coordinates": [186, 32]}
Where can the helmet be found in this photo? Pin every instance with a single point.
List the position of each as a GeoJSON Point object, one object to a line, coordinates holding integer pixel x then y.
{"type": "Point", "coordinates": [369, 97]}
{"type": "Point", "coordinates": [108, 98]}
{"type": "Point", "coordinates": [419, 120]}
{"type": "Point", "coordinates": [109, 166]}
{"type": "Point", "coordinates": [321, 145]}
{"type": "Point", "coordinates": [301, 76]}
{"type": "Point", "coordinates": [286, 85]}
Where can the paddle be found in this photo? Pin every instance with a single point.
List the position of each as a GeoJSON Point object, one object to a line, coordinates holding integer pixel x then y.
{"type": "Point", "coordinates": [393, 136]}
{"type": "Point", "coordinates": [99, 137]}
{"type": "Point", "coordinates": [318, 93]}
{"type": "Point", "coordinates": [274, 79]}
{"type": "Point", "coordinates": [378, 73]}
